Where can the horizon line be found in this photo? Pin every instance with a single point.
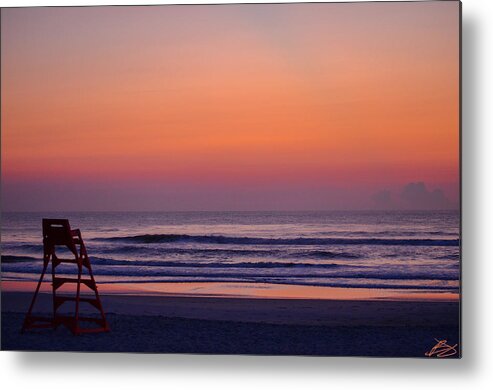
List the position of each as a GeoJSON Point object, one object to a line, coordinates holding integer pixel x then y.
{"type": "Point", "coordinates": [227, 211]}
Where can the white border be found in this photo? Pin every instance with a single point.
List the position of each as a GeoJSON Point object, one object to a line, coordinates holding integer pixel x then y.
{"type": "Point", "coordinates": [475, 370]}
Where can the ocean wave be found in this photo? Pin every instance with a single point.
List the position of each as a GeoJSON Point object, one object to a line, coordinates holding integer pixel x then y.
{"type": "Point", "coordinates": [325, 255]}
{"type": "Point", "coordinates": [250, 270]}
{"type": "Point", "coordinates": [229, 240]}
{"type": "Point", "coordinates": [18, 259]}
{"type": "Point", "coordinates": [224, 253]}
{"type": "Point", "coordinates": [30, 248]}
{"type": "Point", "coordinates": [289, 274]}
{"type": "Point", "coordinates": [387, 233]}
{"type": "Point", "coordinates": [350, 283]}
{"type": "Point", "coordinates": [201, 252]}
{"type": "Point", "coordinates": [448, 257]}
{"type": "Point", "coordinates": [185, 264]}
{"type": "Point", "coordinates": [176, 264]}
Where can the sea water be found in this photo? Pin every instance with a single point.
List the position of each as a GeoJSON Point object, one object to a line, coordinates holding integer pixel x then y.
{"type": "Point", "coordinates": [371, 249]}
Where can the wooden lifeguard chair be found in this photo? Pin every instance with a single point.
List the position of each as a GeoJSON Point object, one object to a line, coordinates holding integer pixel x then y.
{"type": "Point", "coordinates": [57, 233]}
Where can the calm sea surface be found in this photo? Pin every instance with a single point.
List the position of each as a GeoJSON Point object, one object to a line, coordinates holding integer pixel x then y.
{"type": "Point", "coordinates": [415, 250]}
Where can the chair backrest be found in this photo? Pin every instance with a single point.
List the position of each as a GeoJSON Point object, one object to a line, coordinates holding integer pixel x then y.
{"type": "Point", "coordinates": [58, 232]}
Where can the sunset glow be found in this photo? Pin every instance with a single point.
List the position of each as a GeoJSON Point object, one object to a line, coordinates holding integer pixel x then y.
{"type": "Point", "coordinates": [303, 106]}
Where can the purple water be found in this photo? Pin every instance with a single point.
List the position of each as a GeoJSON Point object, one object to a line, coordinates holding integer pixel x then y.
{"type": "Point", "coordinates": [411, 250]}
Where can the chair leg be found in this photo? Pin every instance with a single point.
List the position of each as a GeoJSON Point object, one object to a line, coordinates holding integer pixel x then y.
{"type": "Point", "coordinates": [77, 297]}
{"type": "Point", "coordinates": [33, 301]}
{"type": "Point", "coordinates": [96, 292]}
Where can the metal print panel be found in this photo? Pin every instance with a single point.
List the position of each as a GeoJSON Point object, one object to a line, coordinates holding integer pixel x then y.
{"type": "Point", "coordinates": [271, 179]}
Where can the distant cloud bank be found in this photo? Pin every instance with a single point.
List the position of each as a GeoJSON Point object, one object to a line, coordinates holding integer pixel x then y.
{"type": "Point", "coordinates": [413, 196]}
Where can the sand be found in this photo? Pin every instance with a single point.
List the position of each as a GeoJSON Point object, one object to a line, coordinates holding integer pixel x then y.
{"type": "Point", "coordinates": [230, 325]}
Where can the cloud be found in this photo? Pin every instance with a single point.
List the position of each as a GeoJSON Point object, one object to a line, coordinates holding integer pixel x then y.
{"type": "Point", "coordinates": [417, 196]}
{"type": "Point", "coordinates": [413, 196]}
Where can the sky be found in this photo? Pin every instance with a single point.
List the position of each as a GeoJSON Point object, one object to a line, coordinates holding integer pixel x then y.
{"type": "Point", "coordinates": [230, 107]}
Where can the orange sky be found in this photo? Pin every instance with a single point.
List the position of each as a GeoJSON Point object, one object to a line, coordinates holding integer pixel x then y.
{"type": "Point", "coordinates": [348, 97]}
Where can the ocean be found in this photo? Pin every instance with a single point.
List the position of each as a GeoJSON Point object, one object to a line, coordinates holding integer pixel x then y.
{"type": "Point", "coordinates": [369, 249]}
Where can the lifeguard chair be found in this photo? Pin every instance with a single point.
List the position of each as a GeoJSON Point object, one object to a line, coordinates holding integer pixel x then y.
{"type": "Point", "coordinates": [57, 233]}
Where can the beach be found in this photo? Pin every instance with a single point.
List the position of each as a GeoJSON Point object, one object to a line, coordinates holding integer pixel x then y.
{"type": "Point", "coordinates": [169, 323]}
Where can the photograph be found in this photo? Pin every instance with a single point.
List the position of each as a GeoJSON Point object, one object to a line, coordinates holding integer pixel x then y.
{"type": "Point", "coordinates": [233, 179]}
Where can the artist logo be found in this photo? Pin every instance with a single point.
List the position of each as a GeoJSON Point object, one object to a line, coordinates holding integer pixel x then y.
{"type": "Point", "coordinates": [442, 349]}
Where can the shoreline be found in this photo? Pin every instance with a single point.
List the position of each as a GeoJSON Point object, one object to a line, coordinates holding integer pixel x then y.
{"type": "Point", "coordinates": [248, 291]}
